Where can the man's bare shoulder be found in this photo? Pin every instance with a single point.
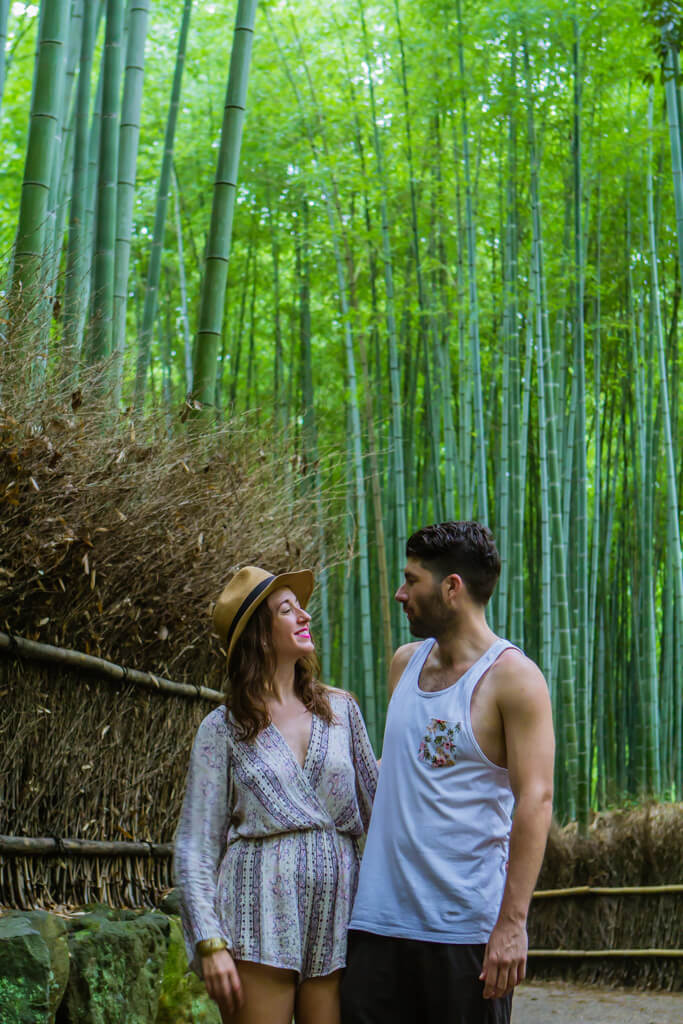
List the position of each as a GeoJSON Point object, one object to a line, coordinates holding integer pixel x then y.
{"type": "Point", "coordinates": [404, 653]}
{"type": "Point", "coordinates": [399, 661]}
{"type": "Point", "coordinates": [515, 677]}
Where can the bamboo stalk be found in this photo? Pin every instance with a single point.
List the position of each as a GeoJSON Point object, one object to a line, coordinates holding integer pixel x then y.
{"type": "Point", "coordinates": [223, 207]}
{"type": "Point", "coordinates": [4, 14]}
{"type": "Point", "coordinates": [154, 267]}
{"type": "Point", "coordinates": [105, 223]}
{"type": "Point", "coordinates": [30, 845]}
{"type": "Point", "coordinates": [75, 659]}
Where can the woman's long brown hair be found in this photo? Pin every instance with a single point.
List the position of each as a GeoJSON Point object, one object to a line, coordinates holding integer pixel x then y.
{"type": "Point", "coordinates": [252, 666]}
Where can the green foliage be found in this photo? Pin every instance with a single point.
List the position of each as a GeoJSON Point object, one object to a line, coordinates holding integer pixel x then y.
{"type": "Point", "coordinates": [183, 998]}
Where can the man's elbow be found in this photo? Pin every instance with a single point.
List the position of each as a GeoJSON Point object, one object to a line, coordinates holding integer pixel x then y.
{"type": "Point", "coordinates": [537, 801]}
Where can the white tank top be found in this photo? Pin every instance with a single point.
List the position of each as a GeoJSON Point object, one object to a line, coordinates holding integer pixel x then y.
{"type": "Point", "coordinates": [435, 861]}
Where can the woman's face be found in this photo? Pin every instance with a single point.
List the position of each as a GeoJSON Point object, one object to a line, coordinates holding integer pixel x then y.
{"type": "Point", "coordinates": [290, 633]}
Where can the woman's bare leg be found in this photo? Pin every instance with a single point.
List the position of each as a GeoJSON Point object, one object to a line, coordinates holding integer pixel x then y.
{"type": "Point", "coordinates": [317, 1000]}
{"type": "Point", "coordinates": [268, 995]}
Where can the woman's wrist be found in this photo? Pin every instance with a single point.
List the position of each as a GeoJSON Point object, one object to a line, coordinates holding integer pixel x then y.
{"type": "Point", "coordinates": [205, 947]}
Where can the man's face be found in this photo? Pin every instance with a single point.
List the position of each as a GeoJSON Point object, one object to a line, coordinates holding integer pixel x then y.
{"type": "Point", "coordinates": [422, 601]}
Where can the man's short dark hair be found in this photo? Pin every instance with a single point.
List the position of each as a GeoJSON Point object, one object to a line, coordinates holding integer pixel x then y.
{"type": "Point", "coordinates": [467, 548]}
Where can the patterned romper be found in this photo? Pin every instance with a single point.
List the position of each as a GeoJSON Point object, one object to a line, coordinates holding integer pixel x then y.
{"type": "Point", "coordinates": [266, 852]}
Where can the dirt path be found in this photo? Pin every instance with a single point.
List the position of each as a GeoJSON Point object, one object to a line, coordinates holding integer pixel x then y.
{"type": "Point", "coordinates": [561, 1003]}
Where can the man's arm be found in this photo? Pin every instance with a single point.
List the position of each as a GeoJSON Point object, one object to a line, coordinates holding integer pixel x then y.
{"type": "Point", "coordinates": [524, 704]}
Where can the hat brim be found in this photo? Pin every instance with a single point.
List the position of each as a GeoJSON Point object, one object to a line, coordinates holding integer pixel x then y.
{"type": "Point", "coordinates": [301, 583]}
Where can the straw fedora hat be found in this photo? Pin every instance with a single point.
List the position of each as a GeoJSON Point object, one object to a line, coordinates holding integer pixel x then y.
{"type": "Point", "coordinates": [246, 591]}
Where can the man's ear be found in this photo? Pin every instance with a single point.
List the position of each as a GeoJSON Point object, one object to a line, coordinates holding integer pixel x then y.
{"type": "Point", "coordinates": [451, 586]}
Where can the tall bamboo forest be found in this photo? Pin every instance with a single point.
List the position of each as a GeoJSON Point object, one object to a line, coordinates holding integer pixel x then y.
{"type": "Point", "coordinates": [437, 249]}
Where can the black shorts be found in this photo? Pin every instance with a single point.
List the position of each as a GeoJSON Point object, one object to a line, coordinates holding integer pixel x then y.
{"type": "Point", "coordinates": [406, 981]}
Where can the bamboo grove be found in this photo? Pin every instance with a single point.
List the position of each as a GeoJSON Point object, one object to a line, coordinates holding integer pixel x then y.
{"type": "Point", "coordinates": [438, 248]}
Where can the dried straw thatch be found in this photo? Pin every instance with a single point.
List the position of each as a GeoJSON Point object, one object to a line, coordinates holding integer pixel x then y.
{"type": "Point", "coordinates": [638, 847]}
{"type": "Point", "coordinates": [115, 539]}
{"type": "Point", "coordinates": [116, 544]}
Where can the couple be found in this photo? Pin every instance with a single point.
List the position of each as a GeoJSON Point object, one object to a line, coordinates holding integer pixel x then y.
{"type": "Point", "coordinates": [280, 791]}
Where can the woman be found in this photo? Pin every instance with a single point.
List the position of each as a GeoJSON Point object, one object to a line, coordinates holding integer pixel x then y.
{"type": "Point", "coordinates": [279, 792]}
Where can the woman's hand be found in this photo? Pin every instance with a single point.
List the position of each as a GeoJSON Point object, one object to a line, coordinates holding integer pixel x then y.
{"type": "Point", "coordinates": [222, 980]}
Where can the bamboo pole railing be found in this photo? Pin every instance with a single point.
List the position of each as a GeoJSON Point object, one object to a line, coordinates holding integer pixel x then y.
{"type": "Point", "coordinates": [594, 953]}
{"type": "Point", "coordinates": [28, 845]}
{"type": "Point", "coordinates": [605, 890]}
{"type": "Point", "coordinates": [35, 846]}
{"type": "Point", "coordinates": [33, 650]}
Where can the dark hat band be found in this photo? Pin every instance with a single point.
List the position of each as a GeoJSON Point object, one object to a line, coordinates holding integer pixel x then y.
{"type": "Point", "coordinates": [244, 607]}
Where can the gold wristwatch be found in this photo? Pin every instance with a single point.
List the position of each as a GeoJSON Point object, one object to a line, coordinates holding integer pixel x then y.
{"type": "Point", "coordinates": [205, 947]}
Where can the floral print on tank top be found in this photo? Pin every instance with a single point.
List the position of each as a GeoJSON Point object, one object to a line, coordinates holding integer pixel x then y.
{"type": "Point", "coordinates": [438, 746]}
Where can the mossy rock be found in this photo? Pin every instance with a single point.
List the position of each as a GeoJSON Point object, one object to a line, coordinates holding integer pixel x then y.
{"type": "Point", "coordinates": [116, 968]}
{"type": "Point", "coordinates": [25, 973]}
{"type": "Point", "coordinates": [170, 904]}
{"type": "Point", "coordinates": [183, 998]}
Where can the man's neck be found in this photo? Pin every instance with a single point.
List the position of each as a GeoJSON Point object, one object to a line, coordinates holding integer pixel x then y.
{"type": "Point", "coordinates": [465, 642]}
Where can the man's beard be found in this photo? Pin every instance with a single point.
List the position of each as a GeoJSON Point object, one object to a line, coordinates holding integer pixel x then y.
{"type": "Point", "coordinates": [431, 618]}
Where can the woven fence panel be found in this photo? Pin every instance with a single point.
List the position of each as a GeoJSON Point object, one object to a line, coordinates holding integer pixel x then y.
{"type": "Point", "coordinates": [86, 758]}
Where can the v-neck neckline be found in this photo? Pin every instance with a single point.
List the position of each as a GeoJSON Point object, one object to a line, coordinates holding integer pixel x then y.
{"type": "Point", "coordinates": [309, 749]}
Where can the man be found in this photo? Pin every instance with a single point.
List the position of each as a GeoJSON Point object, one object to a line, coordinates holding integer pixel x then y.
{"type": "Point", "coordinates": [438, 929]}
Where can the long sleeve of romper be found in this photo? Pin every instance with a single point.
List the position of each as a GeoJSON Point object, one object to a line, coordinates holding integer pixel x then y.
{"type": "Point", "coordinates": [364, 760]}
{"type": "Point", "coordinates": [200, 838]}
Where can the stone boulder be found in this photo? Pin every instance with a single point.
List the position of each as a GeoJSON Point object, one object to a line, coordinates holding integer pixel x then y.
{"type": "Point", "coordinates": [117, 962]}
{"type": "Point", "coordinates": [34, 966]}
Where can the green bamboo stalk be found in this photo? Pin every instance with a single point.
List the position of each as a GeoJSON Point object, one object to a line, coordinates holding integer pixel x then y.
{"type": "Point", "coordinates": [509, 526]}
{"type": "Point", "coordinates": [105, 220]}
{"type": "Point", "coordinates": [28, 273]}
{"type": "Point", "coordinates": [440, 332]}
{"type": "Point", "coordinates": [154, 269]}
{"type": "Point", "coordinates": [597, 466]}
{"type": "Point", "coordinates": [4, 14]}
{"type": "Point", "coordinates": [480, 437]}
{"type": "Point", "coordinates": [182, 281]}
{"type": "Point", "coordinates": [250, 398]}
{"type": "Point", "coordinates": [398, 481]}
{"type": "Point", "coordinates": [546, 616]}
{"type": "Point", "coordinates": [674, 559]}
{"type": "Point", "coordinates": [279, 400]}
{"type": "Point", "coordinates": [583, 680]}
{"type": "Point", "coordinates": [644, 610]}
{"type": "Point", "coordinates": [225, 188]}
{"type": "Point", "coordinates": [129, 136]}
{"type": "Point", "coordinates": [465, 377]}
{"type": "Point", "coordinates": [675, 128]}
{"type": "Point", "coordinates": [310, 437]}
{"type": "Point", "coordinates": [565, 669]}
{"type": "Point", "coordinates": [63, 148]}
{"type": "Point", "coordinates": [236, 356]}
{"type": "Point", "coordinates": [90, 201]}
{"type": "Point", "coordinates": [423, 316]}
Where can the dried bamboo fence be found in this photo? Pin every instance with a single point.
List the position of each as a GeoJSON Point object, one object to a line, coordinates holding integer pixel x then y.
{"type": "Point", "coordinates": [92, 766]}
{"type": "Point", "coordinates": [608, 905]}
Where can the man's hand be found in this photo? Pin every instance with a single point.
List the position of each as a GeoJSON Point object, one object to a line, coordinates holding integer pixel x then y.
{"type": "Point", "coordinates": [222, 980]}
{"type": "Point", "coordinates": [504, 959]}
